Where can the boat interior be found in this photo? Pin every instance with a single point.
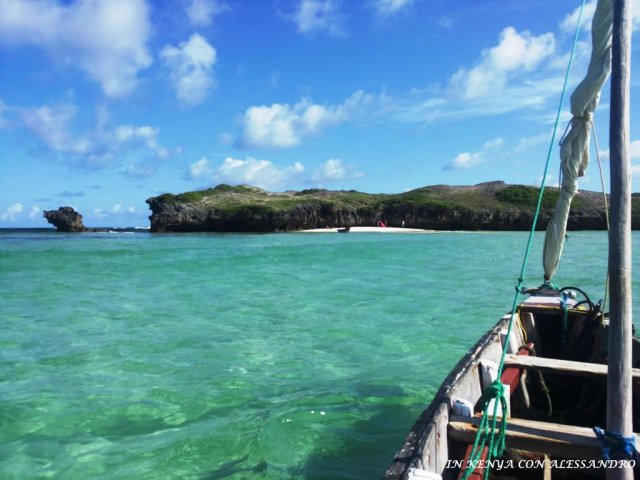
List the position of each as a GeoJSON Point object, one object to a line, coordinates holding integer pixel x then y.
{"type": "Point", "coordinates": [555, 381]}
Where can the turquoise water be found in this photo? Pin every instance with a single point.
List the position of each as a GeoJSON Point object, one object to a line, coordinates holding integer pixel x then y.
{"type": "Point", "coordinates": [285, 356]}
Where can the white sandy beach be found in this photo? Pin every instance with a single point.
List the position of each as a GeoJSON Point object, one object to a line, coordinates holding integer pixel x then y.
{"type": "Point", "coordinates": [370, 230]}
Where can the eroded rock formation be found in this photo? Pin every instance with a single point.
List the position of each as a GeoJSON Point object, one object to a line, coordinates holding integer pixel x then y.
{"type": "Point", "coordinates": [65, 219]}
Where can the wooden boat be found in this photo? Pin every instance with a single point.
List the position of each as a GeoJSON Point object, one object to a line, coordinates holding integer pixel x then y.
{"type": "Point", "coordinates": [544, 429]}
{"type": "Point", "coordinates": [565, 365]}
{"type": "Point", "coordinates": [344, 230]}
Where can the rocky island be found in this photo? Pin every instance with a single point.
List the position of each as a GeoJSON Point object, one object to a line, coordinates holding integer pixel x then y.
{"type": "Point", "coordinates": [486, 206]}
{"type": "Point", "coordinates": [66, 219]}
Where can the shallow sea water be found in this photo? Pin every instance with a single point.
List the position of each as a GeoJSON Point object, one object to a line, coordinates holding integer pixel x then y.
{"type": "Point", "coordinates": [284, 356]}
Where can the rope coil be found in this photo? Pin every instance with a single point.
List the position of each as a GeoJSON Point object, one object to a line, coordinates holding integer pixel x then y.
{"type": "Point", "coordinates": [487, 428]}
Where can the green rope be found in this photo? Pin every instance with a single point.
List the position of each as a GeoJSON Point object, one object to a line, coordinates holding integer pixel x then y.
{"type": "Point", "coordinates": [487, 430]}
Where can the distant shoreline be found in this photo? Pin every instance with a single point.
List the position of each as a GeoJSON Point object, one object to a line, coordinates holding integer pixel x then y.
{"type": "Point", "coordinates": [370, 230]}
{"type": "Point", "coordinates": [382, 230]}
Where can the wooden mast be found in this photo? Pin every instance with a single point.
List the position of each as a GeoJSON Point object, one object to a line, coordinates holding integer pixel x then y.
{"type": "Point", "coordinates": [619, 411]}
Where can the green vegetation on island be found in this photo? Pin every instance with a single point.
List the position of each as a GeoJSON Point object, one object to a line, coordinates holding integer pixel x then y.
{"type": "Point", "coordinates": [486, 206]}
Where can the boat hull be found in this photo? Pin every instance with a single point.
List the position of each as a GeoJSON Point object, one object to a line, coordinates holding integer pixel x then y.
{"type": "Point", "coordinates": [567, 360]}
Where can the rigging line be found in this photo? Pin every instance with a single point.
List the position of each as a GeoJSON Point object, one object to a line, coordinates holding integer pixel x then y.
{"type": "Point", "coordinates": [551, 144]}
{"type": "Point", "coordinates": [496, 390]}
{"type": "Point", "coordinates": [544, 180]}
{"type": "Point", "coordinates": [606, 209]}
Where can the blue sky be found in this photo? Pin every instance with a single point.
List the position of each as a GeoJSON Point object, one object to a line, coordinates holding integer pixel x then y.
{"type": "Point", "coordinates": [105, 103]}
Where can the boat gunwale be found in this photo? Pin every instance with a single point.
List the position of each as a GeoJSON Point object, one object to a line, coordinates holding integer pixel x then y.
{"type": "Point", "coordinates": [413, 447]}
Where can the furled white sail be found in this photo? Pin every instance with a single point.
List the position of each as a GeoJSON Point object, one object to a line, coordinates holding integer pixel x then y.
{"type": "Point", "coordinates": [574, 150]}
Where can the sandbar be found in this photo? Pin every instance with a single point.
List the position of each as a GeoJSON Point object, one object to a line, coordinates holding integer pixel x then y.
{"type": "Point", "coordinates": [370, 230]}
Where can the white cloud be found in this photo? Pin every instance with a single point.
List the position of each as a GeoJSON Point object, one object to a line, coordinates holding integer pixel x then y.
{"type": "Point", "coordinates": [315, 16]}
{"type": "Point", "coordinates": [334, 170]}
{"type": "Point", "coordinates": [258, 173]}
{"type": "Point", "coordinates": [494, 144]}
{"type": "Point", "coordinates": [549, 181]}
{"type": "Point", "coordinates": [3, 110]}
{"type": "Point", "coordinates": [467, 160]}
{"type": "Point", "coordinates": [191, 68]}
{"type": "Point", "coordinates": [387, 7]}
{"type": "Point", "coordinates": [11, 213]}
{"type": "Point", "coordinates": [526, 143]}
{"type": "Point", "coordinates": [516, 52]}
{"type": "Point", "coordinates": [127, 132]}
{"type": "Point", "coordinates": [201, 169]}
{"type": "Point", "coordinates": [531, 93]}
{"type": "Point", "coordinates": [138, 170]}
{"type": "Point", "coordinates": [604, 155]}
{"type": "Point", "coordinates": [52, 124]}
{"type": "Point", "coordinates": [117, 209]}
{"type": "Point", "coordinates": [202, 12]}
{"type": "Point", "coordinates": [265, 174]}
{"type": "Point", "coordinates": [285, 125]}
{"type": "Point", "coordinates": [568, 24]}
{"type": "Point", "coordinates": [35, 212]}
{"type": "Point", "coordinates": [520, 73]}
{"type": "Point", "coordinates": [107, 40]}
{"type": "Point", "coordinates": [104, 146]}
{"type": "Point", "coordinates": [145, 134]}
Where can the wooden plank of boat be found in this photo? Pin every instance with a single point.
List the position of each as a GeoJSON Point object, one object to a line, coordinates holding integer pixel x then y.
{"type": "Point", "coordinates": [565, 441]}
{"type": "Point", "coordinates": [511, 374]}
{"type": "Point", "coordinates": [562, 366]}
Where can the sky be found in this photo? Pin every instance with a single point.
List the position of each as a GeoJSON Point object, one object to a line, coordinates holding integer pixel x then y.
{"type": "Point", "coordinates": [105, 103]}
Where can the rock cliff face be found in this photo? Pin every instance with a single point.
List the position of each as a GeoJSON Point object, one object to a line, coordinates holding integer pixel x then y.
{"type": "Point", "coordinates": [65, 219]}
{"type": "Point", "coordinates": [489, 206]}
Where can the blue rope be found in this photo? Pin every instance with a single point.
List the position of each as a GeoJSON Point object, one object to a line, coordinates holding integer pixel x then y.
{"type": "Point", "coordinates": [617, 446]}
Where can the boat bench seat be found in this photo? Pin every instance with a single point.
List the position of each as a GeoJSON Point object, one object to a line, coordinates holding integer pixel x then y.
{"type": "Point", "coordinates": [564, 441]}
{"type": "Point", "coordinates": [554, 365]}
